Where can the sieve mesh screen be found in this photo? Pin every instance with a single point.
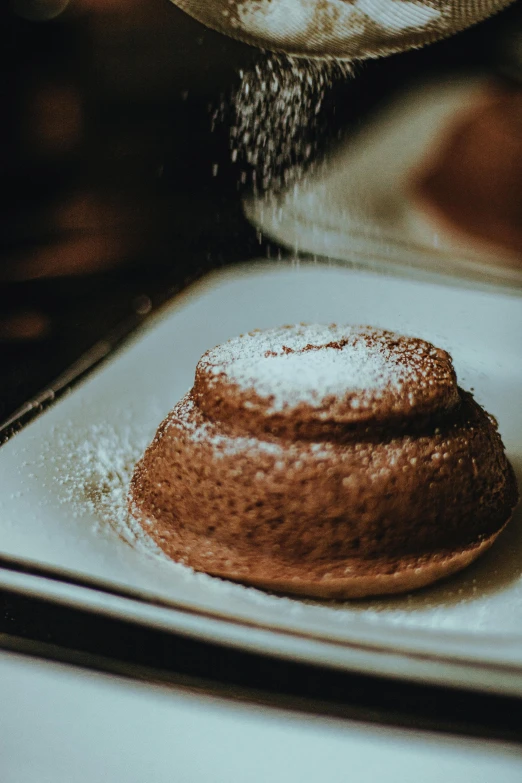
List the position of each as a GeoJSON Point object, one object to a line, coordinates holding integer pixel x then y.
{"type": "Point", "coordinates": [343, 29]}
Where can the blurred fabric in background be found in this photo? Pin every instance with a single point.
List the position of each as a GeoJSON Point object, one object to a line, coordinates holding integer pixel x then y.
{"type": "Point", "coordinates": [118, 182]}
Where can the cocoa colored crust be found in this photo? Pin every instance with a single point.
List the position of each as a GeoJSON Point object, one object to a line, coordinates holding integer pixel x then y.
{"type": "Point", "coordinates": [430, 387]}
{"type": "Point", "coordinates": [326, 498]}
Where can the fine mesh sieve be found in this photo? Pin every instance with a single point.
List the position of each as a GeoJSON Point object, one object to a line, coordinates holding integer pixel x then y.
{"type": "Point", "coordinates": [343, 29]}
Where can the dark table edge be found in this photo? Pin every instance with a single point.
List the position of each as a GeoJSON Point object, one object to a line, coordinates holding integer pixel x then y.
{"type": "Point", "coordinates": [393, 718]}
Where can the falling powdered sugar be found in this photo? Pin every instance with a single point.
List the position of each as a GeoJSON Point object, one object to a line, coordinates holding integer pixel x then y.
{"type": "Point", "coordinates": [277, 118]}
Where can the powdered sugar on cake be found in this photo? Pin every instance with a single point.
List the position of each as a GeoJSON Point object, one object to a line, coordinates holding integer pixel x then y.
{"type": "Point", "coordinates": [205, 431]}
{"type": "Point", "coordinates": [312, 363]}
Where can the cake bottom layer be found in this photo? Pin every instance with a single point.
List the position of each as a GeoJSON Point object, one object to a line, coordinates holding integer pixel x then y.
{"type": "Point", "coordinates": [338, 579]}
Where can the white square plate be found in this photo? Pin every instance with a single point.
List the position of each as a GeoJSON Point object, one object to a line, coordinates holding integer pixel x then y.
{"type": "Point", "coordinates": [63, 482]}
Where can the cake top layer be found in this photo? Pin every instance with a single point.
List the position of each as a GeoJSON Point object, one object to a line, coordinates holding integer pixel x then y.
{"type": "Point", "coordinates": [326, 372]}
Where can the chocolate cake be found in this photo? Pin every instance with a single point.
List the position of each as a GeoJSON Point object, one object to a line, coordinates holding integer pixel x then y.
{"type": "Point", "coordinates": [329, 461]}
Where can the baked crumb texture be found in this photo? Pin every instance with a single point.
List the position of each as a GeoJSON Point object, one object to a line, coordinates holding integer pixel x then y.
{"type": "Point", "coordinates": [328, 461]}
